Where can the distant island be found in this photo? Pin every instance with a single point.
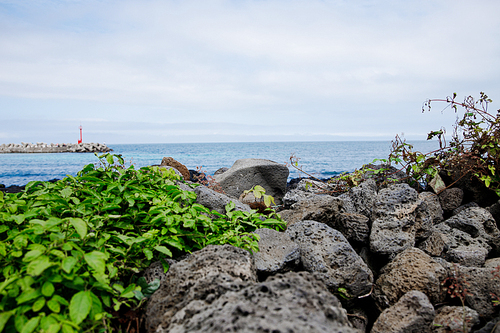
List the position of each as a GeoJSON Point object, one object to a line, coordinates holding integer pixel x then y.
{"type": "Point", "coordinates": [42, 147]}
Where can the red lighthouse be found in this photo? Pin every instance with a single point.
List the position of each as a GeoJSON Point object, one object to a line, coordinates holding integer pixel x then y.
{"type": "Point", "coordinates": [80, 141]}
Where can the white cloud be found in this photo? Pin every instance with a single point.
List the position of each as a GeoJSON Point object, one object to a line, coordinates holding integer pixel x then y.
{"type": "Point", "coordinates": [351, 67]}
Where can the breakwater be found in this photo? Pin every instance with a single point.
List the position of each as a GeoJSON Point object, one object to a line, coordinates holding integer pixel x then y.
{"type": "Point", "coordinates": [42, 147]}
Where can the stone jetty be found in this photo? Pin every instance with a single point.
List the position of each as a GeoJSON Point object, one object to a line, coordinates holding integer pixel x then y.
{"type": "Point", "coordinates": [42, 147]}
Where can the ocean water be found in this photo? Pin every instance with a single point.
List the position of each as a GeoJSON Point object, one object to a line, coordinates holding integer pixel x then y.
{"type": "Point", "coordinates": [322, 159]}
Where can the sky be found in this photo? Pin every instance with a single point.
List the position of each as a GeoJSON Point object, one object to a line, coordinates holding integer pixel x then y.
{"type": "Point", "coordinates": [168, 71]}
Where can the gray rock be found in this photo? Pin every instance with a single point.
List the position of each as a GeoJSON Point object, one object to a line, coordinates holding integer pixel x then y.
{"type": "Point", "coordinates": [291, 302]}
{"type": "Point", "coordinates": [481, 285]}
{"type": "Point", "coordinates": [424, 221]}
{"type": "Point", "coordinates": [355, 227]}
{"type": "Point", "coordinates": [435, 244]}
{"type": "Point", "coordinates": [293, 196]}
{"type": "Point", "coordinates": [471, 256]}
{"type": "Point", "coordinates": [492, 263]}
{"type": "Point", "coordinates": [451, 319]}
{"type": "Point", "coordinates": [277, 253]}
{"type": "Point", "coordinates": [321, 208]}
{"type": "Point", "coordinates": [204, 276]}
{"type": "Point", "coordinates": [246, 173]}
{"type": "Point", "coordinates": [457, 210]}
{"type": "Point", "coordinates": [156, 271]}
{"type": "Point", "coordinates": [394, 218]}
{"type": "Point", "coordinates": [327, 253]}
{"type": "Point", "coordinates": [413, 313]}
{"type": "Point", "coordinates": [451, 198]}
{"type": "Point", "coordinates": [478, 223]}
{"type": "Point", "coordinates": [433, 205]}
{"type": "Point", "coordinates": [363, 197]}
{"type": "Point", "coordinates": [410, 270]}
{"type": "Point", "coordinates": [216, 201]}
{"type": "Point", "coordinates": [458, 239]}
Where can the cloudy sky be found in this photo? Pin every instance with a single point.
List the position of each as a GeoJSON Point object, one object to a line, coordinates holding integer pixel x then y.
{"type": "Point", "coordinates": [151, 71]}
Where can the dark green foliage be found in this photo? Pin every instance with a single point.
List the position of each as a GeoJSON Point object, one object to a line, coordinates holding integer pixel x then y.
{"type": "Point", "coordinates": [71, 251]}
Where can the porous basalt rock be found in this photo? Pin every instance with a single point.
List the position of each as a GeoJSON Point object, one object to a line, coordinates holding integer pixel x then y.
{"type": "Point", "coordinates": [217, 201]}
{"type": "Point", "coordinates": [410, 270]}
{"type": "Point", "coordinates": [246, 173]}
{"type": "Point", "coordinates": [321, 208]}
{"type": "Point", "coordinates": [277, 252]}
{"type": "Point", "coordinates": [204, 276]}
{"type": "Point", "coordinates": [451, 319]}
{"type": "Point", "coordinates": [355, 227]}
{"type": "Point", "coordinates": [395, 222]}
{"type": "Point", "coordinates": [451, 198]}
{"type": "Point", "coordinates": [291, 302]}
{"type": "Point", "coordinates": [327, 253]}
{"type": "Point", "coordinates": [413, 313]}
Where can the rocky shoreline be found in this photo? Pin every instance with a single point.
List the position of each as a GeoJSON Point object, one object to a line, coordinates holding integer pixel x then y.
{"type": "Point", "coordinates": [378, 258]}
{"type": "Point", "coordinates": [41, 147]}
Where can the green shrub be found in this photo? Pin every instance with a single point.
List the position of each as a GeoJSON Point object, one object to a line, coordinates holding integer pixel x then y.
{"type": "Point", "coordinates": [474, 149]}
{"type": "Point", "coordinates": [71, 251]}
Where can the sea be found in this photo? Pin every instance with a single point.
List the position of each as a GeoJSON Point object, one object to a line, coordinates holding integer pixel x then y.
{"type": "Point", "coordinates": [321, 159]}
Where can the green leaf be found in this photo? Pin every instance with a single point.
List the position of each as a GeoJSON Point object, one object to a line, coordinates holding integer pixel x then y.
{"type": "Point", "coordinates": [163, 250]}
{"type": "Point", "coordinates": [67, 329]}
{"type": "Point", "coordinates": [5, 316]}
{"type": "Point", "coordinates": [60, 300]}
{"type": "Point", "coordinates": [96, 260]}
{"type": "Point", "coordinates": [68, 263]}
{"type": "Point", "coordinates": [47, 289]}
{"type": "Point", "coordinates": [230, 206]}
{"type": "Point", "coordinates": [31, 325]}
{"type": "Point", "coordinates": [148, 253]}
{"type": "Point", "coordinates": [54, 305]}
{"type": "Point", "coordinates": [54, 328]}
{"type": "Point", "coordinates": [80, 226]}
{"type": "Point", "coordinates": [37, 266]}
{"type": "Point", "coordinates": [79, 306]}
{"type": "Point", "coordinates": [109, 158]}
{"type": "Point", "coordinates": [32, 255]}
{"type": "Point", "coordinates": [39, 304]}
{"type": "Point", "coordinates": [189, 223]}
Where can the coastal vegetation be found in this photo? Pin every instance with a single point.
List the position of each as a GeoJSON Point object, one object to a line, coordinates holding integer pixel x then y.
{"type": "Point", "coordinates": [473, 153]}
{"type": "Point", "coordinates": [72, 252]}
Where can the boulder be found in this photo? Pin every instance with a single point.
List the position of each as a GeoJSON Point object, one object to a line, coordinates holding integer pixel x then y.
{"type": "Point", "coordinates": [293, 196]}
{"type": "Point", "coordinates": [410, 270]}
{"type": "Point", "coordinates": [451, 319]}
{"type": "Point", "coordinates": [394, 219]}
{"type": "Point", "coordinates": [451, 198]}
{"type": "Point", "coordinates": [246, 173]}
{"type": "Point", "coordinates": [362, 197]}
{"type": "Point", "coordinates": [277, 253]}
{"type": "Point", "coordinates": [216, 201]}
{"type": "Point", "coordinates": [478, 223]}
{"type": "Point", "coordinates": [482, 287]}
{"type": "Point", "coordinates": [433, 204]}
{"type": "Point", "coordinates": [355, 227]}
{"type": "Point", "coordinates": [170, 162]}
{"type": "Point", "coordinates": [200, 279]}
{"type": "Point", "coordinates": [291, 302]}
{"type": "Point", "coordinates": [321, 208]}
{"type": "Point", "coordinates": [435, 244]}
{"type": "Point", "coordinates": [413, 313]}
{"type": "Point", "coordinates": [327, 253]}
